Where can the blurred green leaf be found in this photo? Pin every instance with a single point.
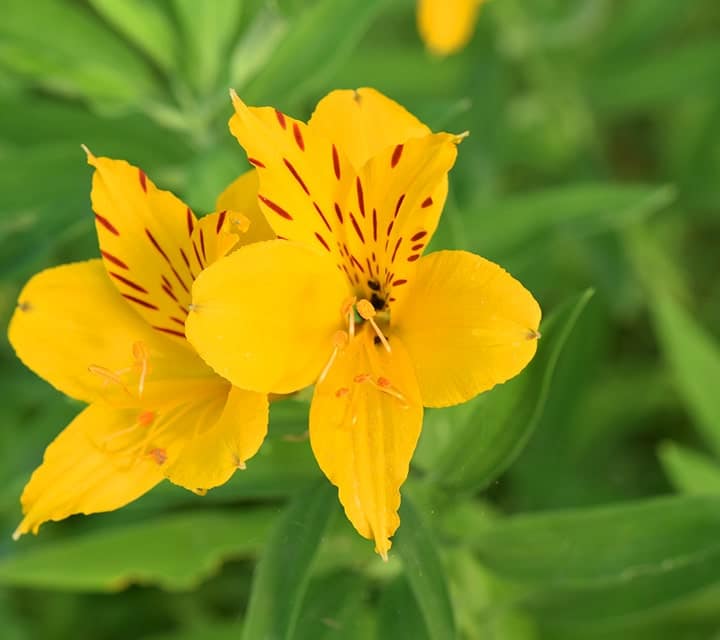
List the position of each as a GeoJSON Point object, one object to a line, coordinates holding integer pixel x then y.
{"type": "Point", "coordinates": [695, 360]}
{"type": "Point", "coordinates": [174, 552]}
{"type": "Point", "coordinates": [145, 24]}
{"type": "Point", "coordinates": [690, 471]}
{"type": "Point", "coordinates": [331, 609]}
{"type": "Point", "coordinates": [209, 29]}
{"type": "Point", "coordinates": [520, 222]}
{"type": "Point", "coordinates": [424, 573]}
{"type": "Point", "coordinates": [58, 45]}
{"type": "Point", "coordinates": [487, 442]}
{"type": "Point", "coordinates": [607, 562]}
{"type": "Point", "coordinates": [399, 616]}
{"type": "Point", "coordinates": [282, 574]}
{"type": "Point", "coordinates": [302, 61]}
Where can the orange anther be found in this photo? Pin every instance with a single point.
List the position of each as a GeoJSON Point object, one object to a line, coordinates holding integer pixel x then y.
{"type": "Point", "coordinates": [342, 391]}
{"type": "Point", "coordinates": [365, 309]}
{"type": "Point", "coordinates": [383, 382]}
{"type": "Point", "coordinates": [361, 377]}
{"type": "Point", "coordinates": [146, 418]}
{"type": "Point", "coordinates": [340, 339]}
{"type": "Point", "coordinates": [158, 455]}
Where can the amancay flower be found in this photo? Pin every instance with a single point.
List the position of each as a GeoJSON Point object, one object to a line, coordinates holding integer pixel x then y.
{"type": "Point", "coordinates": [345, 299]}
{"type": "Point", "coordinates": [111, 333]}
{"type": "Point", "coordinates": [446, 26]}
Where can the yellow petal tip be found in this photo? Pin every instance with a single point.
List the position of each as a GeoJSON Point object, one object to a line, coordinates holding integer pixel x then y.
{"type": "Point", "coordinates": [459, 137]}
{"type": "Point", "coordinates": [383, 555]}
{"type": "Point", "coordinates": [88, 153]}
{"type": "Point", "coordinates": [17, 533]}
{"type": "Point", "coordinates": [236, 100]}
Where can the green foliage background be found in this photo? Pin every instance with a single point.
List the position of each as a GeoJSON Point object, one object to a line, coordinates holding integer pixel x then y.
{"type": "Point", "coordinates": [580, 500]}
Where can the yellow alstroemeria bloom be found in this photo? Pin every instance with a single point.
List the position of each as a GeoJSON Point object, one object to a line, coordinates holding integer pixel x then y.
{"type": "Point", "coordinates": [446, 26]}
{"type": "Point", "coordinates": [111, 333]}
{"type": "Point", "coordinates": [345, 299]}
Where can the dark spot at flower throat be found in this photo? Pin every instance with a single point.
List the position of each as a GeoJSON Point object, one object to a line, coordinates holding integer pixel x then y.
{"type": "Point", "coordinates": [377, 302]}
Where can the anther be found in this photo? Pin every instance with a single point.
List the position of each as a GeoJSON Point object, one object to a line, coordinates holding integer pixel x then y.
{"type": "Point", "coordinates": [384, 385]}
{"type": "Point", "coordinates": [146, 418]}
{"type": "Point", "coordinates": [239, 223]}
{"type": "Point", "coordinates": [367, 312]}
{"type": "Point", "coordinates": [158, 455]}
{"type": "Point", "coordinates": [342, 391]}
{"type": "Point", "coordinates": [362, 377]}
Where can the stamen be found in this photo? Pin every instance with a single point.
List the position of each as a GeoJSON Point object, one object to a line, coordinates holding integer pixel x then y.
{"type": "Point", "coordinates": [347, 310]}
{"type": "Point", "coordinates": [340, 339]}
{"type": "Point", "coordinates": [367, 312]}
{"type": "Point", "coordinates": [384, 385]}
{"type": "Point", "coordinates": [142, 358]}
{"type": "Point", "coordinates": [107, 375]}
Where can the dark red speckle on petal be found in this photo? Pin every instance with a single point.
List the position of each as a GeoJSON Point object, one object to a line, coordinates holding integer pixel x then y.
{"type": "Point", "coordinates": [143, 180]}
{"type": "Point", "coordinates": [107, 224]}
{"type": "Point", "coordinates": [275, 207]}
{"type": "Point", "coordinates": [426, 203]}
{"type": "Point", "coordinates": [397, 152]}
{"type": "Point", "coordinates": [298, 136]}
{"type": "Point", "coordinates": [336, 162]}
{"type": "Point", "coordinates": [418, 236]}
{"type": "Point", "coordinates": [281, 118]}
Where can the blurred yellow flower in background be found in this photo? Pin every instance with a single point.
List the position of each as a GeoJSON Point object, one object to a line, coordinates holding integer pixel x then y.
{"type": "Point", "coordinates": [111, 333]}
{"type": "Point", "coordinates": [446, 26]}
{"type": "Point", "coordinates": [344, 298]}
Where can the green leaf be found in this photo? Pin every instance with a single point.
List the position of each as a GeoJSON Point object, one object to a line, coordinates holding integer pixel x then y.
{"type": "Point", "coordinates": [399, 615]}
{"type": "Point", "coordinates": [282, 574]}
{"type": "Point", "coordinates": [520, 222]}
{"type": "Point", "coordinates": [145, 24]}
{"type": "Point", "coordinates": [607, 562]}
{"type": "Point", "coordinates": [58, 45]}
{"type": "Point", "coordinates": [209, 29]}
{"type": "Point", "coordinates": [174, 552]}
{"type": "Point", "coordinates": [694, 358]}
{"type": "Point", "coordinates": [485, 444]}
{"type": "Point", "coordinates": [690, 471]}
{"type": "Point", "coordinates": [424, 573]}
{"type": "Point", "coordinates": [303, 61]}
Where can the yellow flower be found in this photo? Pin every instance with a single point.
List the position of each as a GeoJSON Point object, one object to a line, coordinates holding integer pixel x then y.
{"type": "Point", "coordinates": [344, 299]}
{"type": "Point", "coordinates": [446, 26]}
{"type": "Point", "coordinates": [111, 333]}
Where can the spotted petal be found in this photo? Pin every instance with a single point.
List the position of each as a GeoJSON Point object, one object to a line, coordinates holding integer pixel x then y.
{"type": "Point", "coordinates": [363, 123]}
{"type": "Point", "coordinates": [365, 420]}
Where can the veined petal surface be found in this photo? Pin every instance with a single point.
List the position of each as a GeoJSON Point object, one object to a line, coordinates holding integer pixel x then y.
{"type": "Point", "coordinates": [74, 329]}
{"type": "Point", "coordinates": [265, 316]}
{"type": "Point", "coordinates": [363, 123]}
{"type": "Point", "coordinates": [77, 476]}
{"type": "Point", "coordinates": [365, 420]}
{"type": "Point", "coordinates": [467, 325]}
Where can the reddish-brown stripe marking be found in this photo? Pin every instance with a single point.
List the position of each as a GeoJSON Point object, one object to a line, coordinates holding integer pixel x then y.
{"type": "Point", "coordinates": [155, 244]}
{"type": "Point", "coordinates": [417, 247]}
{"type": "Point", "coordinates": [397, 283]}
{"type": "Point", "coordinates": [426, 203]}
{"type": "Point", "coordinates": [183, 310]}
{"type": "Point", "coordinates": [143, 303]}
{"type": "Point", "coordinates": [374, 226]}
{"type": "Point", "coordinates": [172, 332]}
{"type": "Point", "coordinates": [322, 241]}
{"type": "Point", "coordinates": [256, 163]}
{"type": "Point", "coordinates": [355, 261]}
{"type": "Point", "coordinates": [418, 235]}
{"type": "Point", "coordinates": [179, 279]}
{"type": "Point", "coordinates": [413, 257]}
{"type": "Point", "coordinates": [357, 228]}
{"type": "Point", "coordinates": [296, 175]}
{"type": "Point", "coordinates": [177, 321]}
{"type": "Point", "coordinates": [143, 180]}
{"type": "Point", "coordinates": [336, 162]}
{"type": "Point", "coordinates": [281, 118]}
{"type": "Point", "coordinates": [397, 246]}
{"type": "Point", "coordinates": [390, 226]}
{"type": "Point", "coordinates": [338, 212]}
{"type": "Point", "coordinates": [397, 152]}
{"type": "Point", "coordinates": [298, 136]}
{"type": "Point", "coordinates": [190, 221]}
{"type": "Point", "coordinates": [398, 205]}
{"type": "Point", "coordinates": [185, 258]}
{"type": "Point", "coordinates": [129, 283]}
{"type": "Point", "coordinates": [360, 196]}
{"type": "Point", "coordinates": [202, 244]}
{"type": "Point", "coordinates": [275, 207]}
{"type": "Point", "coordinates": [166, 281]}
{"type": "Point", "coordinates": [111, 258]}
{"type": "Point", "coordinates": [322, 215]}
{"type": "Point", "coordinates": [107, 224]}
{"type": "Point", "coordinates": [221, 221]}
{"type": "Point", "coordinates": [369, 264]}
{"type": "Point", "coordinates": [167, 290]}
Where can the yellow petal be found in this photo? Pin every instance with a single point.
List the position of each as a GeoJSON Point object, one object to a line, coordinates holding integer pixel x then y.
{"type": "Point", "coordinates": [467, 325]}
{"type": "Point", "coordinates": [220, 448]}
{"type": "Point", "coordinates": [264, 317]}
{"type": "Point", "coordinates": [302, 175]}
{"type": "Point", "coordinates": [393, 211]}
{"type": "Point", "coordinates": [70, 319]}
{"type": "Point", "coordinates": [365, 420]}
{"type": "Point", "coordinates": [364, 122]}
{"type": "Point", "coordinates": [241, 195]}
{"type": "Point", "coordinates": [76, 476]}
{"type": "Point", "coordinates": [150, 241]}
{"type": "Point", "coordinates": [446, 26]}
